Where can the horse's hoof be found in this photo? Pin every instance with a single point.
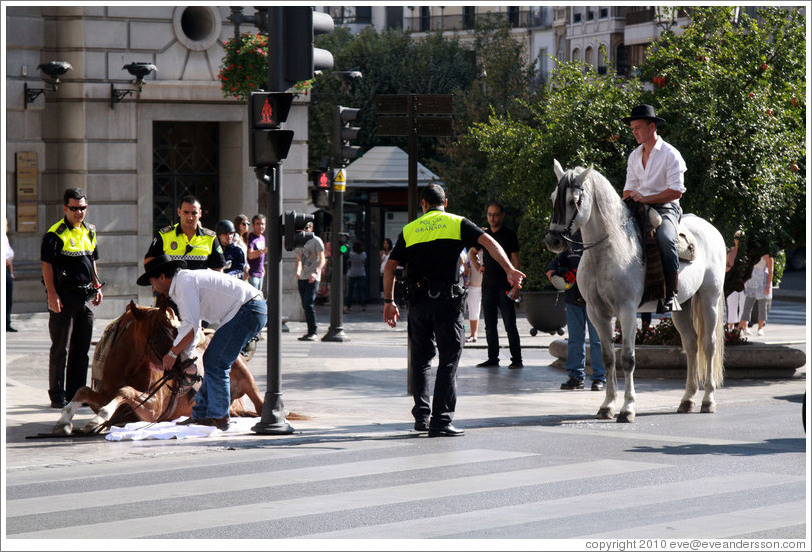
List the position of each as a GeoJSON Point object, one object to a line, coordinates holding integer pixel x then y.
{"type": "Point", "coordinates": [708, 408]}
{"type": "Point", "coordinates": [625, 417]}
{"type": "Point", "coordinates": [685, 407]}
{"type": "Point", "coordinates": [605, 413]}
{"type": "Point", "coordinates": [63, 429]}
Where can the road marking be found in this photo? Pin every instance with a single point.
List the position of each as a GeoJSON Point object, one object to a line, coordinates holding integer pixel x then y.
{"type": "Point", "coordinates": [584, 506]}
{"type": "Point", "coordinates": [247, 482]}
{"type": "Point", "coordinates": [325, 504]}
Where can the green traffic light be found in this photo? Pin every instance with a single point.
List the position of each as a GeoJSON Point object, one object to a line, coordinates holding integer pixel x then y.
{"type": "Point", "coordinates": [344, 249]}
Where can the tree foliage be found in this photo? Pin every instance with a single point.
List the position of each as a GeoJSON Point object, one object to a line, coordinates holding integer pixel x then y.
{"type": "Point", "coordinates": [732, 91]}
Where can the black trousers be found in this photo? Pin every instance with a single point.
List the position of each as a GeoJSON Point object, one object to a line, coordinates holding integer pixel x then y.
{"type": "Point", "coordinates": [71, 331]}
{"type": "Point", "coordinates": [430, 321]}
{"type": "Point", "coordinates": [494, 301]}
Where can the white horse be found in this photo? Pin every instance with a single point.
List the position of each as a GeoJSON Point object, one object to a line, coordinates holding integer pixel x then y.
{"type": "Point", "coordinates": [611, 277]}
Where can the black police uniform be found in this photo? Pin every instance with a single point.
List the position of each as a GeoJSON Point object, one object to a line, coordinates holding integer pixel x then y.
{"type": "Point", "coordinates": [429, 248]}
{"type": "Point", "coordinates": [71, 252]}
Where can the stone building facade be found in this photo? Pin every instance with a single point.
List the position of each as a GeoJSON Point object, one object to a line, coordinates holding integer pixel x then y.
{"type": "Point", "coordinates": [134, 157]}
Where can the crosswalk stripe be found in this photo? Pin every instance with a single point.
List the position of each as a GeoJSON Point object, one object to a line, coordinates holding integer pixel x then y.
{"type": "Point", "coordinates": [719, 526]}
{"type": "Point", "coordinates": [124, 495]}
{"type": "Point", "coordinates": [324, 504]}
{"type": "Point", "coordinates": [583, 505]}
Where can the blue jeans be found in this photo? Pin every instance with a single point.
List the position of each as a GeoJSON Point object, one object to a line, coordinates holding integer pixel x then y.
{"type": "Point", "coordinates": [214, 398]}
{"type": "Point", "coordinates": [358, 283]}
{"type": "Point", "coordinates": [256, 281]}
{"type": "Point", "coordinates": [577, 324]}
{"type": "Point", "coordinates": [307, 292]}
{"type": "Point", "coordinates": [667, 236]}
{"type": "Point", "coordinates": [493, 300]}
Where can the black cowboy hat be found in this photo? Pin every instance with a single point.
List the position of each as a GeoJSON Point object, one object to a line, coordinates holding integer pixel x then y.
{"type": "Point", "coordinates": [644, 111]}
{"type": "Point", "coordinates": [158, 264]}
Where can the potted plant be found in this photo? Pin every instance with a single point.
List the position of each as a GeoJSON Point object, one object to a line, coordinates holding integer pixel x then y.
{"type": "Point", "coordinates": [244, 68]}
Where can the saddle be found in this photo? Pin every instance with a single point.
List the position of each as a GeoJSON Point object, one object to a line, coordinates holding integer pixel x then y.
{"type": "Point", "coordinates": [647, 221]}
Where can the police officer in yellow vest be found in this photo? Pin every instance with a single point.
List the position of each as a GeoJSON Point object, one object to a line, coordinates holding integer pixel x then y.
{"type": "Point", "coordinates": [429, 248]}
{"type": "Point", "coordinates": [187, 240]}
{"type": "Point", "coordinates": [69, 253]}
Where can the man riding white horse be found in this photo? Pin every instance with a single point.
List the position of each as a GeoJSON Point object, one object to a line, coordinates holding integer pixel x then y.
{"type": "Point", "coordinates": [654, 176]}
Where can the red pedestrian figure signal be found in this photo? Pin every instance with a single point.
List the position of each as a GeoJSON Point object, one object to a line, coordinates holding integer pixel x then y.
{"type": "Point", "coordinates": [267, 113]}
{"type": "Point", "coordinates": [324, 180]}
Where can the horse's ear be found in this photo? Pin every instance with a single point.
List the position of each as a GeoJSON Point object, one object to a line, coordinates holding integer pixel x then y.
{"type": "Point", "coordinates": [585, 175]}
{"type": "Point", "coordinates": [559, 172]}
{"type": "Point", "coordinates": [131, 306]}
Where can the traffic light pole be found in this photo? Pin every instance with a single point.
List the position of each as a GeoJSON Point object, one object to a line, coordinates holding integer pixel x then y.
{"type": "Point", "coordinates": [273, 420]}
{"type": "Point", "coordinates": [336, 331]}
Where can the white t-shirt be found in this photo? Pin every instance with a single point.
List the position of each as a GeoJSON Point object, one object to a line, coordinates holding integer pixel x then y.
{"type": "Point", "coordinates": [665, 169]}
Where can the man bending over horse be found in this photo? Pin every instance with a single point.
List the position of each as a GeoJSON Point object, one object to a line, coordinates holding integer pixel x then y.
{"type": "Point", "coordinates": [654, 176]}
{"type": "Point", "coordinates": [233, 306]}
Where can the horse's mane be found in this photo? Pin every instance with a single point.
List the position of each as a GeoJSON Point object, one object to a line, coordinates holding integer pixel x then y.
{"type": "Point", "coordinates": [613, 215]}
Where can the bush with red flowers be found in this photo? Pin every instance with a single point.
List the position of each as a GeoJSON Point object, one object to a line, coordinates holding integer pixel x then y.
{"type": "Point", "coordinates": [665, 333]}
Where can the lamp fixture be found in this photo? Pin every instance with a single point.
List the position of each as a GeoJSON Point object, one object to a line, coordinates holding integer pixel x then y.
{"type": "Point", "coordinates": [51, 72]}
{"type": "Point", "coordinates": [138, 69]}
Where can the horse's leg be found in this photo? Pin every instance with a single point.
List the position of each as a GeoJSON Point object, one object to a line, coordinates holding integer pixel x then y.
{"type": "Point", "coordinates": [64, 426]}
{"type": "Point", "coordinates": [603, 325]}
{"type": "Point", "coordinates": [683, 321]}
{"type": "Point", "coordinates": [628, 327]}
{"type": "Point", "coordinates": [147, 412]}
{"type": "Point", "coordinates": [243, 383]}
{"type": "Point", "coordinates": [711, 339]}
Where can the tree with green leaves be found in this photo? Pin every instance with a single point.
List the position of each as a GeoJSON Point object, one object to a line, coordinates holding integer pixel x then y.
{"type": "Point", "coordinates": [732, 90]}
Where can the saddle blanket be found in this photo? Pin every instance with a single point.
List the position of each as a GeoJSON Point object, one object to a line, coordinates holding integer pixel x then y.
{"type": "Point", "coordinates": [139, 431]}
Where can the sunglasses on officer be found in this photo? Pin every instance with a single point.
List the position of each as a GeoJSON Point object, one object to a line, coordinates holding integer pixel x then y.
{"type": "Point", "coordinates": [75, 208]}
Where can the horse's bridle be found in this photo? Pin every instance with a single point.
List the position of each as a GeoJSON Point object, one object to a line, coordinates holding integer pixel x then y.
{"type": "Point", "coordinates": [560, 208]}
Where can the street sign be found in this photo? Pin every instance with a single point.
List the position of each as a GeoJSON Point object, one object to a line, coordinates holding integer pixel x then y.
{"type": "Point", "coordinates": [435, 126]}
{"type": "Point", "coordinates": [392, 126]}
{"type": "Point", "coordinates": [435, 104]}
{"type": "Point", "coordinates": [392, 103]}
{"type": "Point", "coordinates": [340, 181]}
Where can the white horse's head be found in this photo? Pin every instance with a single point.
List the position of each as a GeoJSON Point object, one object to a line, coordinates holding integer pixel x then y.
{"type": "Point", "coordinates": [572, 206]}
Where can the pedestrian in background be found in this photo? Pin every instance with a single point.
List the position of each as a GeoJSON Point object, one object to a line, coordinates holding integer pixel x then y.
{"type": "Point", "coordinates": [735, 301]}
{"type": "Point", "coordinates": [758, 289]}
{"type": "Point", "coordinates": [242, 226]}
{"type": "Point", "coordinates": [474, 292]}
{"type": "Point", "coordinates": [310, 261]}
{"type": "Point", "coordinates": [236, 263]}
{"type": "Point", "coordinates": [429, 247]}
{"type": "Point", "coordinates": [495, 289]}
{"type": "Point", "coordinates": [383, 256]}
{"type": "Point", "coordinates": [69, 253]}
{"type": "Point", "coordinates": [357, 276]}
{"type": "Point", "coordinates": [9, 254]}
{"type": "Point", "coordinates": [256, 252]}
{"type": "Point", "coordinates": [565, 267]}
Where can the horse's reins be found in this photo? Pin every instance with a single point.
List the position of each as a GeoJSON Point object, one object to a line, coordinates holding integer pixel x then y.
{"type": "Point", "coordinates": [559, 210]}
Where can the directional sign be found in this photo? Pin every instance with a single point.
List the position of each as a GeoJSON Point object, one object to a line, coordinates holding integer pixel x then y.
{"type": "Point", "coordinates": [435, 104]}
{"type": "Point", "coordinates": [393, 103]}
{"type": "Point", "coordinates": [393, 126]}
{"type": "Point", "coordinates": [435, 126]}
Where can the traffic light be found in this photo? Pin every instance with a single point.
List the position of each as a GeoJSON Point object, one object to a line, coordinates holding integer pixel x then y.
{"type": "Point", "coordinates": [301, 59]}
{"type": "Point", "coordinates": [343, 133]}
{"type": "Point", "coordinates": [343, 243]}
{"type": "Point", "coordinates": [293, 227]}
{"type": "Point", "coordinates": [320, 191]}
{"type": "Point", "coordinates": [269, 143]}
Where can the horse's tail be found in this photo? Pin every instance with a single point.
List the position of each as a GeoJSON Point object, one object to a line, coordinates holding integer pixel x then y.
{"type": "Point", "coordinates": [717, 364]}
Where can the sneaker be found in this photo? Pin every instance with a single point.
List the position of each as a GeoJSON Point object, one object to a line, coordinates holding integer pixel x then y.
{"type": "Point", "coordinates": [598, 385]}
{"type": "Point", "coordinates": [470, 339]}
{"type": "Point", "coordinates": [760, 332]}
{"type": "Point", "coordinates": [572, 384]}
{"type": "Point", "coordinates": [488, 364]}
{"type": "Point", "coordinates": [308, 337]}
{"type": "Point", "coordinates": [748, 331]}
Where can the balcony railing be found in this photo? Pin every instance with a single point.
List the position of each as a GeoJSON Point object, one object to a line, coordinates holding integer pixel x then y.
{"type": "Point", "coordinates": [520, 19]}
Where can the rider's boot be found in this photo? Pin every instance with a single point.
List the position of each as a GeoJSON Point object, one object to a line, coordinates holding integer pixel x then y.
{"type": "Point", "coordinates": [671, 303]}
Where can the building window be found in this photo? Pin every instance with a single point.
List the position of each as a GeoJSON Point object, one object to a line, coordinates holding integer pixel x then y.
{"type": "Point", "coordinates": [394, 17]}
{"type": "Point", "coordinates": [425, 19]}
{"type": "Point", "coordinates": [347, 15]}
{"type": "Point", "coordinates": [468, 17]}
{"type": "Point", "coordinates": [590, 15]}
{"type": "Point", "coordinates": [622, 60]}
{"type": "Point", "coordinates": [576, 17]}
{"type": "Point", "coordinates": [604, 13]}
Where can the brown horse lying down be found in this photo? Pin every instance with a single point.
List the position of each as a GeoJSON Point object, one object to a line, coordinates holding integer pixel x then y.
{"type": "Point", "coordinates": [131, 371]}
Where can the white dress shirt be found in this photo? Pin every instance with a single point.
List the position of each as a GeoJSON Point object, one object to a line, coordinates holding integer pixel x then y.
{"type": "Point", "coordinates": [664, 170]}
{"type": "Point", "coordinates": [208, 295]}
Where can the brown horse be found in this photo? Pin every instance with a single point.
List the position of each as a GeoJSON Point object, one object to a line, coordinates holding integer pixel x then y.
{"type": "Point", "coordinates": [131, 374]}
